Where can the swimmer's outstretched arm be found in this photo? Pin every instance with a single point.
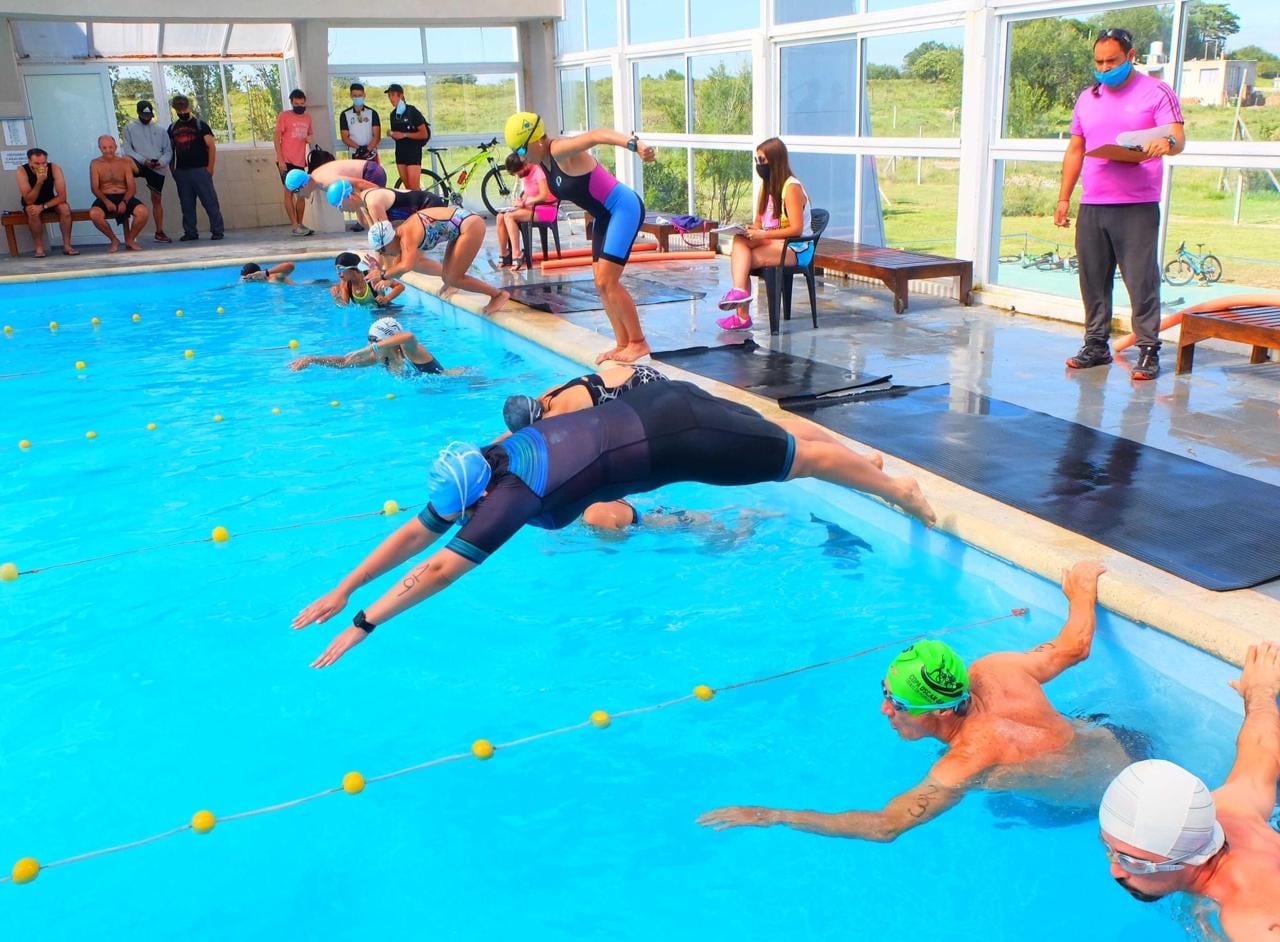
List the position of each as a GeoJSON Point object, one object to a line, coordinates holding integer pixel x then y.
{"type": "Point", "coordinates": [1252, 782]}
{"type": "Point", "coordinates": [423, 581]}
{"type": "Point", "coordinates": [366, 356]}
{"type": "Point", "coordinates": [910, 809]}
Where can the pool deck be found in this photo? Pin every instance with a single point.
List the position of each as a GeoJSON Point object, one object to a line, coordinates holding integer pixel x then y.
{"type": "Point", "coordinates": [1226, 414]}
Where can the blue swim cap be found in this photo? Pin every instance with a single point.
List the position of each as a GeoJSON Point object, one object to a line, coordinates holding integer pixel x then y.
{"type": "Point", "coordinates": [296, 179]}
{"type": "Point", "coordinates": [338, 191]}
{"type": "Point", "coordinates": [521, 412]}
{"type": "Point", "coordinates": [458, 478]}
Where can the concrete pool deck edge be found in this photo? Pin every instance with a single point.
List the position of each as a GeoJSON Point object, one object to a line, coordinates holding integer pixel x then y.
{"type": "Point", "coordinates": [1223, 624]}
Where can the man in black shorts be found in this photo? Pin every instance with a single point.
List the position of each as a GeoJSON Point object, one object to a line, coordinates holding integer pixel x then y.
{"type": "Point", "coordinates": [111, 179]}
{"type": "Point", "coordinates": [147, 145]}
{"type": "Point", "coordinates": [548, 473]}
{"type": "Point", "coordinates": [410, 131]}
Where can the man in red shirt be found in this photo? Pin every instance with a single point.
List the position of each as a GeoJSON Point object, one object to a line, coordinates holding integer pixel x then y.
{"type": "Point", "coordinates": [293, 134]}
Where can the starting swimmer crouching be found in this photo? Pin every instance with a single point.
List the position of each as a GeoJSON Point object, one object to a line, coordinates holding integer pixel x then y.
{"type": "Point", "coordinates": [462, 232]}
{"type": "Point", "coordinates": [1001, 731]}
{"type": "Point", "coordinates": [389, 344]}
{"type": "Point", "coordinates": [547, 474]}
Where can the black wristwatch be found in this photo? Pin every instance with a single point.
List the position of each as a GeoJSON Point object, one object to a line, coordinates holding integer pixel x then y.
{"type": "Point", "coordinates": [363, 623]}
{"type": "Point", "coordinates": [1173, 141]}
{"type": "Point", "coordinates": [633, 145]}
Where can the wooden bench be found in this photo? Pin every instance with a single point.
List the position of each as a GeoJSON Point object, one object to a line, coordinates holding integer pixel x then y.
{"type": "Point", "coordinates": [663, 231]}
{"type": "Point", "coordinates": [17, 218]}
{"type": "Point", "coordinates": [1257, 326]}
{"type": "Point", "coordinates": [894, 267]}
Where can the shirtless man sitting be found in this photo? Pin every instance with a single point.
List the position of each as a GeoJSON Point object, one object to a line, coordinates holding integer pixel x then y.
{"type": "Point", "coordinates": [1002, 732]}
{"type": "Point", "coordinates": [111, 179]}
{"type": "Point", "coordinates": [1165, 833]}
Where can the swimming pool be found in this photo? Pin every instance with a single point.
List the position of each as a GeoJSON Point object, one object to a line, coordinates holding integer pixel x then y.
{"type": "Point", "coordinates": [141, 688]}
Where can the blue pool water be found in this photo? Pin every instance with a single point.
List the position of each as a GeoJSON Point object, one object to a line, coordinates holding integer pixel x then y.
{"type": "Point", "coordinates": [141, 688]}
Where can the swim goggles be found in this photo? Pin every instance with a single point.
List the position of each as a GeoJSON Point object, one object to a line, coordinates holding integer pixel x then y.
{"type": "Point", "coordinates": [902, 706]}
{"type": "Point", "coordinates": [1139, 867]}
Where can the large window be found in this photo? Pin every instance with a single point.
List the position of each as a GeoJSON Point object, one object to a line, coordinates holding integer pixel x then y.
{"type": "Point", "coordinates": [722, 185]}
{"type": "Point", "coordinates": [709, 94]}
{"type": "Point", "coordinates": [817, 88]}
{"type": "Point", "coordinates": [829, 181]}
{"type": "Point", "coordinates": [918, 201]}
{"type": "Point", "coordinates": [1051, 62]}
{"type": "Point", "coordinates": [254, 94]}
{"type": "Point", "coordinates": [797, 11]}
{"type": "Point", "coordinates": [662, 20]}
{"type": "Point", "coordinates": [1031, 248]}
{"type": "Point", "coordinates": [1233, 214]}
{"type": "Point", "coordinates": [202, 83]}
{"type": "Point", "coordinates": [360, 46]}
{"type": "Point", "coordinates": [1230, 86]}
{"type": "Point", "coordinates": [469, 103]}
{"type": "Point", "coordinates": [666, 181]}
{"type": "Point", "coordinates": [573, 99]}
{"type": "Point", "coordinates": [661, 99]}
{"type": "Point", "coordinates": [913, 84]}
{"type": "Point", "coordinates": [587, 24]}
{"type": "Point", "coordinates": [131, 84]}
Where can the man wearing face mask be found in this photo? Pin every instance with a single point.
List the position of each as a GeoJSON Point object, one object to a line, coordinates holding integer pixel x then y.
{"type": "Point", "coordinates": [360, 126]}
{"type": "Point", "coordinates": [147, 144]}
{"type": "Point", "coordinates": [194, 154]}
{"type": "Point", "coordinates": [410, 131]}
{"type": "Point", "coordinates": [1120, 205]}
{"type": "Point", "coordinates": [293, 133]}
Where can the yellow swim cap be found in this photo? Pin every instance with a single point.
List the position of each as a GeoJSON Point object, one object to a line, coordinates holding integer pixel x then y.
{"type": "Point", "coordinates": [523, 128]}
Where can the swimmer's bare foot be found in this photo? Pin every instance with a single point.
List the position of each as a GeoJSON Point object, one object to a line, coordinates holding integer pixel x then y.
{"type": "Point", "coordinates": [115, 247]}
{"type": "Point", "coordinates": [132, 246]}
{"type": "Point", "coordinates": [607, 355]}
{"type": "Point", "coordinates": [632, 352]}
{"type": "Point", "coordinates": [876, 459]}
{"type": "Point", "coordinates": [447, 293]}
{"type": "Point", "coordinates": [70, 251]}
{"type": "Point", "coordinates": [498, 300]}
{"type": "Point", "coordinates": [911, 499]}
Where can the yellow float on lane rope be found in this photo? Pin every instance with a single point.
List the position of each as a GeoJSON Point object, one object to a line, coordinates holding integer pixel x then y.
{"type": "Point", "coordinates": [353, 783]}
{"type": "Point", "coordinates": [202, 822]}
{"type": "Point", "coordinates": [703, 692]}
{"type": "Point", "coordinates": [8, 572]}
{"type": "Point", "coordinates": [600, 719]}
{"type": "Point", "coordinates": [26, 870]}
{"type": "Point", "coordinates": [390, 507]}
{"type": "Point", "coordinates": [482, 749]}
{"type": "Point", "coordinates": [220, 535]}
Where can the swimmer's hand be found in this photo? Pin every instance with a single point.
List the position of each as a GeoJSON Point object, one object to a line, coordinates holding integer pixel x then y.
{"type": "Point", "coordinates": [1261, 674]}
{"type": "Point", "coordinates": [321, 610]}
{"type": "Point", "coordinates": [739, 816]}
{"type": "Point", "coordinates": [345, 641]}
{"type": "Point", "coordinates": [301, 363]}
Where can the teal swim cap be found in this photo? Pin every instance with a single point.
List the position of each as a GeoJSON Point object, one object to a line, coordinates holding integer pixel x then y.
{"type": "Point", "coordinates": [458, 478]}
{"type": "Point", "coordinates": [338, 191]}
{"type": "Point", "coordinates": [928, 676]}
{"type": "Point", "coordinates": [296, 179]}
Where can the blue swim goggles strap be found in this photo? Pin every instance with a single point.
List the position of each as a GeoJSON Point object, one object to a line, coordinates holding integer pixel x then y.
{"type": "Point", "coordinates": [524, 148]}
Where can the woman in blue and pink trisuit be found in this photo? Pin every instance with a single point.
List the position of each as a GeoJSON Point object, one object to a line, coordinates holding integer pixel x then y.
{"type": "Point", "coordinates": [574, 175]}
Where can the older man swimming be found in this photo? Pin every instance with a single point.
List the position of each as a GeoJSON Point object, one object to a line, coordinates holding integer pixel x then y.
{"type": "Point", "coordinates": [1165, 833]}
{"type": "Point", "coordinates": [1001, 731]}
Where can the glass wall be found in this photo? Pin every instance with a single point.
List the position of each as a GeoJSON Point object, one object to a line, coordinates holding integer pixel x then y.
{"type": "Point", "coordinates": [913, 84]}
{"type": "Point", "coordinates": [818, 80]}
{"type": "Point", "coordinates": [919, 198]}
{"type": "Point", "coordinates": [1233, 214]}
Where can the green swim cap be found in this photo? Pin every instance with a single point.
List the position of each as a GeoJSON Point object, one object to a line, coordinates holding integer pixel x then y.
{"type": "Point", "coordinates": [930, 676]}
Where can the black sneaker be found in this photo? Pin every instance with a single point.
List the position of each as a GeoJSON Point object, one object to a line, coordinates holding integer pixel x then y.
{"type": "Point", "coordinates": [217, 236]}
{"type": "Point", "coordinates": [1091, 354]}
{"type": "Point", "coordinates": [188, 238]}
{"type": "Point", "coordinates": [1148, 364]}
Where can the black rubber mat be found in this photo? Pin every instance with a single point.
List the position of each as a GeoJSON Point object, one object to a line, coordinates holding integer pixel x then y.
{"type": "Point", "coordinates": [568, 297]}
{"type": "Point", "coordinates": [1205, 525]}
{"type": "Point", "coordinates": [767, 372]}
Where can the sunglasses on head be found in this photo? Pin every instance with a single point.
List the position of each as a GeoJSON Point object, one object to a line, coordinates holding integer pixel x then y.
{"type": "Point", "coordinates": [1122, 36]}
{"type": "Point", "coordinates": [1139, 867]}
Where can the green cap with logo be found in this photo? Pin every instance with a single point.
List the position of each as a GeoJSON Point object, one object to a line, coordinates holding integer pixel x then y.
{"type": "Point", "coordinates": [929, 676]}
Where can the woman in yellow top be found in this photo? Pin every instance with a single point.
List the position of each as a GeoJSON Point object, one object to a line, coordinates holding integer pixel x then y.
{"type": "Point", "coordinates": [765, 242]}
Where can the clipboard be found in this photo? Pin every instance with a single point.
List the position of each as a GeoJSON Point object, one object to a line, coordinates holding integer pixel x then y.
{"type": "Point", "coordinates": [1128, 155]}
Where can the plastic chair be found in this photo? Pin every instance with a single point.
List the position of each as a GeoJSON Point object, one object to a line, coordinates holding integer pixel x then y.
{"type": "Point", "coordinates": [778, 278]}
{"type": "Point", "coordinates": [526, 233]}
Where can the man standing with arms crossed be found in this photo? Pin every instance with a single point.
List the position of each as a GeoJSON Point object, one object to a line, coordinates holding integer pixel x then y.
{"type": "Point", "coordinates": [1120, 205]}
{"type": "Point", "coordinates": [147, 144]}
{"type": "Point", "coordinates": [195, 152]}
{"type": "Point", "coordinates": [293, 133]}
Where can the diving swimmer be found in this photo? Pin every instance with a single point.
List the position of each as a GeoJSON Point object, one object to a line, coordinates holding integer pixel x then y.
{"type": "Point", "coordinates": [546, 475]}
{"type": "Point", "coordinates": [1164, 832]}
{"type": "Point", "coordinates": [581, 392]}
{"type": "Point", "coordinates": [1001, 731]}
{"type": "Point", "coordinates": [389, 344]}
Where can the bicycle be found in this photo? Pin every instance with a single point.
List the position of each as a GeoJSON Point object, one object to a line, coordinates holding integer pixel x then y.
{"type": "Point", "coordinates": [495, 189]}
{"type": "Point", "coordinates": [1188, 265]}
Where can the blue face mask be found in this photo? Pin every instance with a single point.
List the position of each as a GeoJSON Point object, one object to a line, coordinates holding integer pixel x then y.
{"type": "Point", "coordinates": [1113, 77]}
{"type": "Point", "coordinates": [400, 108]}
{"type": "Point", "coordinates": [358, 102]}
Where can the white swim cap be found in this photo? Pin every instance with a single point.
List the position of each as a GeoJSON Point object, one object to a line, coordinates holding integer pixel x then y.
{"type": "Point", "coordinates": [383, 328]}
{"type": "Point", "coordinates": [1161, 808]}
{"type": "Point", "coordinates": [381, 234]}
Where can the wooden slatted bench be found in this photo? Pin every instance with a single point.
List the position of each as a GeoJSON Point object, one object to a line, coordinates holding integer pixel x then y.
{"type": "Point", "coordinates": [1258, 326]}
{"type": "Point", "coordinates": [12, 220]}
{"type": "Point", "coordinates": [894, 267]}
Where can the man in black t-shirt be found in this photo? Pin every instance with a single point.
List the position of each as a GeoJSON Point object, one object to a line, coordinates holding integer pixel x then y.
{"type": "Point", "coordinates": [410, 131]}
{"type": "Point", "coordinates": [194, 154]}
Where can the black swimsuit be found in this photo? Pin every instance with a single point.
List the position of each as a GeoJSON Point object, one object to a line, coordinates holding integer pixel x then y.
{"type": "Point", "coordinates": [593, 383]}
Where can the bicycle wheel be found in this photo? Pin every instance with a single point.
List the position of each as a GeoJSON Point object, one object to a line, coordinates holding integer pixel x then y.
{"type": "Point", "coordinates": [1179, 272]}
{"type": "Point", "coordinates": [495, 190]}
{"type": "Point", "coordinates": [1211, 268]}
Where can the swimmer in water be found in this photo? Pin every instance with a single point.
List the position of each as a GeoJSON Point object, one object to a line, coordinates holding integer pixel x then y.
{"type": "Point", "coordinates": [1165, 833]}
{"type": "Point", "coordinates": [1001, 731]}
{"type": "Point", "coordinates": [390, 345]}
{"type": "Point", "coordinates": [581, 392]}
{"type": "Point", "coordinates": [276, 274]}
{"type": "Point", "coordinates": [618, 519]}
{"type": "Point", "coordinates": [547, 474]}
{"type": "Point", "coordinates": [354, 287]}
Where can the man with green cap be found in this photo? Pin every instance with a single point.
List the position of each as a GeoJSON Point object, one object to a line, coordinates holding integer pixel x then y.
{"type": "Point", "coordinates": [1001, 731]}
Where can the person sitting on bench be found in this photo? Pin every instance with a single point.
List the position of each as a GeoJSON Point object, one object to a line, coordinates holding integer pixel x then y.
{"type": "Point", "coordinates": [44, 189]}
